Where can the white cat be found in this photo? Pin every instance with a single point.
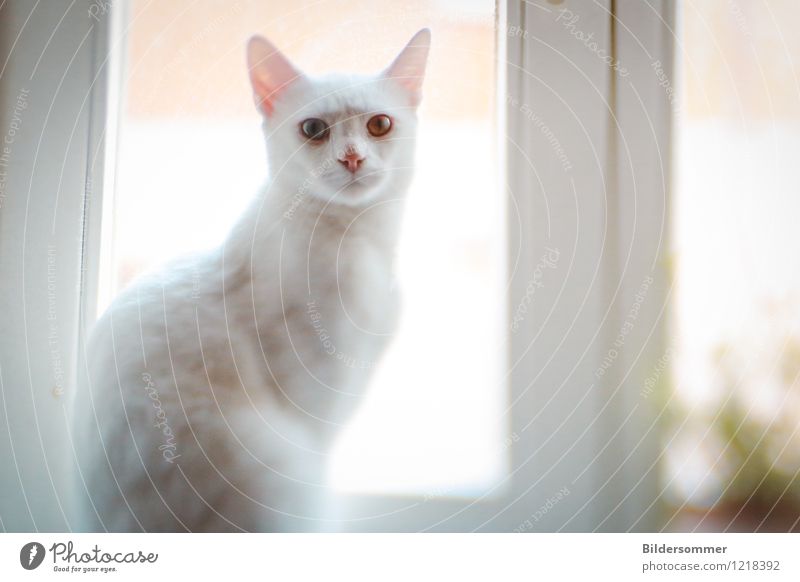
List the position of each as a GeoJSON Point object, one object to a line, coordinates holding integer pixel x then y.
{"type": "Point", "coordinates": [215, 387]}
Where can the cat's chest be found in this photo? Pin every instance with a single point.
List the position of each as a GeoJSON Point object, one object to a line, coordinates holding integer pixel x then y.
{"type": "Point", "coordinates": [355, 287]}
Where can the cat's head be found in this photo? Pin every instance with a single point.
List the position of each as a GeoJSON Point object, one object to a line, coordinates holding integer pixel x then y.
{"type": "Point", "coordinates": [344, 139]}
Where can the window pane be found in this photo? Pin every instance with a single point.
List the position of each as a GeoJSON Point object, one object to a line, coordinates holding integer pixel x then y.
{"type": "Point", "coordinates": [736, 440]}
{"type": "Point", "coordinates": [191, 156]}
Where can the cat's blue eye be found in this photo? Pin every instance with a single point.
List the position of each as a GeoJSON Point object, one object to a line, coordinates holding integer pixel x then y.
{"type": "Point", "coordinates": [315, 129]}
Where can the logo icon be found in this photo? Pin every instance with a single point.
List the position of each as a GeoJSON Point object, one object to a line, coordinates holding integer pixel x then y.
{"type": "Point", "coordinates": [31, 555]}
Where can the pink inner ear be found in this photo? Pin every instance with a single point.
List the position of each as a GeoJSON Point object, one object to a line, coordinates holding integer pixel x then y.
{"type": "Point", "coordinates": [411, 83]}
{"type": "Point", "coordinates": [262, 96]}
{"type": "Point", "coordinates": [408, 69]}
{"type": "Point", "coordinates": [270, 73]}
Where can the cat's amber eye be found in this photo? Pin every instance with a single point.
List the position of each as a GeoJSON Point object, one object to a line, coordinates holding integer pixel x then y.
{"type": "Point", "coordinates": [379, 125]}
{"type": "Point", "coordinates": [315, 129]}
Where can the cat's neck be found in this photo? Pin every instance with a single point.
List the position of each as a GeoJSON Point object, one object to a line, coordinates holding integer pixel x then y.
{"type": "Point", "coordinates": [278, 218]}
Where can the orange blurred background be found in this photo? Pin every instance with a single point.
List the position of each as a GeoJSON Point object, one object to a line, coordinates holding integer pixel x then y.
{"type": "Point", "coordinates": [167, 36]}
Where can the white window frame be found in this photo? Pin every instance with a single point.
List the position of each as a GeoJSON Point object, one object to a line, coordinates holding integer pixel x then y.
{"type": "Point", "coordinates": [596, 436]}
{"type": "Point", "coordinates": [611, 440]}
{"type": "Point", "coordinates": [60, 54]}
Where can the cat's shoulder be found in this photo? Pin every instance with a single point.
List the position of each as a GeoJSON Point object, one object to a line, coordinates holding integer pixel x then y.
{"type": "Point", "coordinates": [180, 282]}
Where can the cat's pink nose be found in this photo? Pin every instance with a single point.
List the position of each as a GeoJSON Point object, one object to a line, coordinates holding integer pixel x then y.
{"type": "Point", "coordinates": [352, 161]}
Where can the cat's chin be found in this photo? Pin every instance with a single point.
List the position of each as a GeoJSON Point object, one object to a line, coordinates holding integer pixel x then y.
{"type": "Point", "coordinates": [357, 192]}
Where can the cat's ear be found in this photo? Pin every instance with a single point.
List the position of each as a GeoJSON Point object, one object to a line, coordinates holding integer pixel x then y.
{"type": "Point", "coordinates": [408, 69]}
{"type": "Point", "coordinates": [270, 72]}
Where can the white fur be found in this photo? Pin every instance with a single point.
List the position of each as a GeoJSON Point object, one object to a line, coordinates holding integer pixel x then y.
{"type": "Point", "coordinates": [215, 387]}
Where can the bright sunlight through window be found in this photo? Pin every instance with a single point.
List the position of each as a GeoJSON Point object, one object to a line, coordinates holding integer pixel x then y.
{"type": "Point", "coordinates": [191, 155]}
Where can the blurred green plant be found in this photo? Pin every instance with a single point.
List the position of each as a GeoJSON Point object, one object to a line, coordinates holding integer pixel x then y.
{"type": "Point", "coordinates": [757, 423]}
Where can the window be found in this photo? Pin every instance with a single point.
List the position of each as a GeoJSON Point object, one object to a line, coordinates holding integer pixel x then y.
{"type": "Point", "coordinates": [500, 407]}
{"type": "Point", "coordinates": [188, 106]}
{"type": "Point", "coordinates": [733, 462]}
